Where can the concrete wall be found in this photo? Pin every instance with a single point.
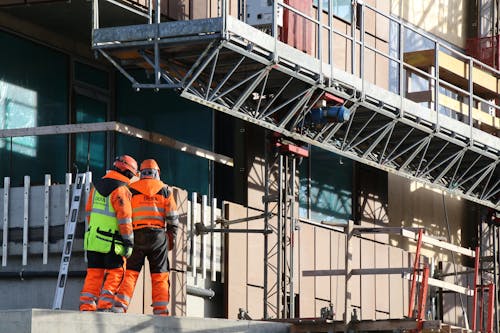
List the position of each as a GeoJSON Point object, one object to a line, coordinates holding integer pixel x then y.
{"type": "Point", "coordinates": [445, 19]}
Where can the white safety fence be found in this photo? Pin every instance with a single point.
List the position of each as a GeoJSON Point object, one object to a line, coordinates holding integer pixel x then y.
{"type": "Point", "coordinates": [205, 255]}
{"type": "Point", "coordinates": [34, 218]}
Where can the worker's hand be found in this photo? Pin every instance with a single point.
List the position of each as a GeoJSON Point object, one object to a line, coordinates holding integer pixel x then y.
{"type": "Point", "coordinates": [127, 251]}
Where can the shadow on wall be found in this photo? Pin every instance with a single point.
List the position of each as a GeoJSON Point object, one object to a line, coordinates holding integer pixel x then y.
{"type": "Point", "coordinates": [413, 204]}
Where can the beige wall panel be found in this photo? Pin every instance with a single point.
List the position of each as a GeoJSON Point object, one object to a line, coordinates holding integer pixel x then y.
{"type": "Point", "coordinates": [137, 302]}
{"type": "Point", "coordinates": [214, 10]}
{"type": "Point", "coordinates": [341, 46]}
{"type": "Point", "coordinates": [255, 251]}
{"type": "Point", "coordinates": [382, 281]}
{"type": "Point", "coordinates": [382, 64]}
{"type": "Point", "coordinates": [178, 257]}
{"type": "Point", "coordinates": [367, 281]}
{"type": "Point", "coordinates": [272, 276]}
{"type": "Point", "coordinates": [148, 298]}
{"type": "Point", "coordinates": [322, 261]}
{"type": "Point", "coordinates": [383, 23]}
{"type": "Point", "coordinates": [442, 18]}
{"type": "Point", "coordinates": [355, 281]}
{"type": "Point", "coordinates": [236, 265]}
{"type": "Point", "coordinates": [338, 282]}
{"type": "Point", "coordinates": [370, 18]}
{"type": "Point", "coordinates": [256, 177]}
{"type": "Point", "coordinates": [407, 262]}
{"type": "Point", "coordinates": [450, 307]}
{"type": "Point", "coordinates": [370, 63]}
{"type": "Point", "coordinates": [200, 9]}
{"type": "Point", "coordinates": [412, 204]}
{"type": "Point", "coordinates": [397, 294]}
{"type": "Point", "coordinates": [255, 306]}
{"type": "Point", "coordinates": [381, 315]}
{"type": "Point", "coordinates": [306, 262]}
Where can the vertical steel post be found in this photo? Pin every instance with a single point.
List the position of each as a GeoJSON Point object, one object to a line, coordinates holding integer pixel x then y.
{"type": "Point", "coordinates": [402, 77]}
{"type": "Point", "coordinates": [320, 40]}
{"type": "Point", "coordinates": [213, 209]}
{"type": "Point", "coordinates": [436, 83]}
{"type": "Point", "coordinates": [348, 267]}
{"type": "Point", "coordinates": [279, 248]}
{"type": "Point", "coordinates": [266, 223]}
{"type": "Point", "coordinates": [194, 205]}
{"type": "Point", "coordinates": [491, 307]}
{"type": "Point", "coordinates": [471, 99]}
{"type": "Point", "coordinates": [95, 15]}
{"type": "Point", "coordinates": [330, 41]}
{"type": "Point", "coordinates": [5, 239]}
{"type": "Point", "coordinates": [46, 205]}
{"type": "Point", "coordinates": [353, 36]}
{"type": "Point", "coordinates": [286, 207]}
{"type": "Point", "coordinates": [203, 250]}
{"type": "Point", "coordinates": [26, 219]}
{"type": "Point", "coordinates": [416, 262]}
{"type": "Point", "coordinates": [423, 298]}
{"type": "Point", "coordinates": [474, 296]}
{"type": "Point", "coordinates": [150, 11]}
{"type": "Point", "coordinates": [275, 28]}
{"type": "Point", "coordinates": [224, 18]}
{"type": "Point", "coordinates": [292, 236]}
{"type": "Point", "coordinates": [362, 52]}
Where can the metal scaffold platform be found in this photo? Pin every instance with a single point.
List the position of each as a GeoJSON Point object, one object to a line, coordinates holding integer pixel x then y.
{"type": "Point", "coordinates": [230, 66]}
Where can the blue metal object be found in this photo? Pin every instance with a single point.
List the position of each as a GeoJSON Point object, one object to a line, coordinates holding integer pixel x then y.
{"type": "Point", "coordinates": [331, 114]}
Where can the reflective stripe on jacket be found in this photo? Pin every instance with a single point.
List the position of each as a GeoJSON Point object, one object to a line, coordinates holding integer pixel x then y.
{"type": "Point", "coordinates": [152, 203]}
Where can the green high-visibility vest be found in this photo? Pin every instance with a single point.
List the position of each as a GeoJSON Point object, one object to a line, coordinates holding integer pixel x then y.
{"type": "Point", "coordinates": [103, 227]}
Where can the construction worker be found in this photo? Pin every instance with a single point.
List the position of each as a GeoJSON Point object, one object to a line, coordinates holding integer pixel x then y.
{"type": "Point", "coordinates": [109, 237]}
{"type": "Point", "coordinates": [155, 222]}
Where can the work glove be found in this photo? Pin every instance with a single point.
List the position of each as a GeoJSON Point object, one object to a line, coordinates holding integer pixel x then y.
{"type": "Point", "coordinates": [127, 251]}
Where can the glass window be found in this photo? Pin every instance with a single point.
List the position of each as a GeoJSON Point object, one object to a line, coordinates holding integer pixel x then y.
{"type": "Point", "coordinates": [90, 147]}
{"type": "Point", "coordinates": [33, 92]}
{"type": "Point", "coordinates": [330, 182]}
{"type": "Point", "coordinates": [91, 75]}
{"type": "Point", "coordinates": [341, 8]}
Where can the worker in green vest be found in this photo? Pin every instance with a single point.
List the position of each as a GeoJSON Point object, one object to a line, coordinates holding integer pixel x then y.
{"type": "Point", "coordinates": [109, 239]}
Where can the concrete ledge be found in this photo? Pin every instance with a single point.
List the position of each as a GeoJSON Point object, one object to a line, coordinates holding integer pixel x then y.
{"type": "Point", "coordinates": [61, 321]}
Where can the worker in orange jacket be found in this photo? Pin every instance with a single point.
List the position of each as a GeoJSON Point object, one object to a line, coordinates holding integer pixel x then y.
{"type": "Point", "coordinates": [109, 237]}
{"type": "Point", "coordinates": [155, 222]}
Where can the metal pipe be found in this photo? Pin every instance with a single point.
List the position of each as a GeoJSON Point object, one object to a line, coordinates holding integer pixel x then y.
{"type": "Point", "coordinates": [292, 236]}
{"type": "Point", "coordinates": [200, 292]}
{"type": "Point", "coordinates": [266, 222]}
{"type": "Point", "coordinates": [279, 254]}
{"type": "Point", "coordinates": [22, 274]}
{"type": "Point", "coordinates": [284, 240]}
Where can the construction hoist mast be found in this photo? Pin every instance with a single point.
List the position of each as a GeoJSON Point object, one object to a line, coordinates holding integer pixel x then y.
{"type": "Point", "coordinates": [281, 200]}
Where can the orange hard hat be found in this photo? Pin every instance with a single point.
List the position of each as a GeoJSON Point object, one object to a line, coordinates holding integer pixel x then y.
{"type": "Point", "coordinates": [126, 163]}
{"type": "Point", "coordinates": [150, 169]}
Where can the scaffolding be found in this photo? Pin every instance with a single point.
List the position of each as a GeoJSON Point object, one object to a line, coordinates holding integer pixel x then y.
{"type": "Point", "coordinates": [232, 67]}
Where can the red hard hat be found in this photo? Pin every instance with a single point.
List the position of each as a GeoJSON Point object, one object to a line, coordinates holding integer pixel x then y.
{"type": "Point", "coordinates": [150, 169]}
{"type": "Point", "coordinates": [124, 163]}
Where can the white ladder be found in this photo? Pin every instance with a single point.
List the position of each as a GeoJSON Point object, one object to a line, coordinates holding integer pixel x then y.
{"type": "Point", "coordinates": [68, 239]}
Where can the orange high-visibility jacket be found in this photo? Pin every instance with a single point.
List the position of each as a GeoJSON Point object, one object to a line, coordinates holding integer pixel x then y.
{"type": "Point", "coordinates": [119, 199]}
{"type": "Point", "coordinates": [153, 204]}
